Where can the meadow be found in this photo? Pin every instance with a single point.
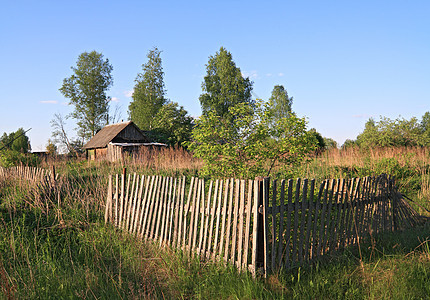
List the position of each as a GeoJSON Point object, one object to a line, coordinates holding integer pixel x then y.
{"type": "Point", "coordinates": [54, 244]}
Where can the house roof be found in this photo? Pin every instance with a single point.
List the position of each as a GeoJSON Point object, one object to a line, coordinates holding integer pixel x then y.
{"type": "Point", "coordinates": [108, 133]}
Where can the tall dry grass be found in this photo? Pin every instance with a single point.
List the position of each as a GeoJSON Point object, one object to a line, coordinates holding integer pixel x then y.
{"type": "Point", "coordinates": [356, 157]}
{"type": "Point", "coordinates": [409, 165]}
{"type": "Point", "coordinates": [168, 158]}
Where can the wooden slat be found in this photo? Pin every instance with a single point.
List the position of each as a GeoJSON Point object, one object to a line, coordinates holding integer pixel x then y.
{"type": "Point", "coordinates": [125, 208]}
{"type": "Point", "coordinates": [213, 215]}
{"type": "Point", "coordinates": [144, 205]}
{"type": "Point", "coordinates": [202, 218]}
{"type": "Point", "coordinates": [172, 210]}
{"type": "Point", "coordinates": [208, 215]}
{"type": "Point", "coordinates": [350, 215]}
{"type": "Point", "coordinates": [309, 222]}
{"type": "Point", "coordinates": [371, 205]}
{"type": "Point", "coordinates": [339, 200]}
{"type": "Point", "coordinates": [148, 208]}
{"type": "Point", "coordinates": [116, 199]}
{"type": "Point", "coordinates": [384, 206]}
{"type": "Point", "coordinates": [296, 221]}
{"type": "Point", "coordinates": [273, 227]}
{"type": "Point", "coordinates": [240, 227]}
{"type": "Point", "coordinates": [391, 199]}
{"type": "Point", "coordinates": [134, 194]}
{"type": "Point", "coordinates": [254, 231]}
{"type": "Point", "coordinates": [170, 199]}
{"type": "Point", "coordinates": [281, 223]}
{"type": "Point", "coordinates": [181, 214]}
{"type": "Point", "coordinates": [153, 207]}
{"type": "Point", "coordinates": [139, 204]}
{"type": "Point", "coordinates": [121, 205]}
{"type": "Point", "coordinates": [159, 208]}
{"type": "Point", "coordinates": [288, 232]}
{"type": "Point", "coordinates": [364, 200]}
{"type": "Point", "coordinates": [186, 211]}
{"type": "Point", "coordinates": [163, 211]}
{"type": "Point", "coordinates": [108, 210]}
{"type": "Point", "coordinates": [218, 215]}
{"type": "Point", "coordinates": [343, 226]}
{"type": "Point", "coordinates": [171, 207]}
{"type": "Point", "coordinates": [330, 246]}
{"type": "Point", "coordinates": [348, 222]}
{"type": "Point", "coordinates": [196, 215]}
{"type": "Point", "coordinates": [192, 211]}
{"type": "Point", "coordinates": [229, 212]}
{"type": "Point", "coordinates": [315, 235]}
{"type": "Point", "coordinates": [165, 215]}
{"type": "Point", "coordinates": [302, 227]}
{"type": "Point", "coordinates": [266, 187]}
{"type": "Point", "coordinates": [235, 214]}
{"type": "Point", "coordinates": [177, 203]}
{"type": "Point", "coordinates": [327, 231]}
{"type": "Point", "coordinates": [248, 213]}
{"type": "Point", "coordinates": [354, 211]}
{"type": "Point", "coordinates": [359, 208]}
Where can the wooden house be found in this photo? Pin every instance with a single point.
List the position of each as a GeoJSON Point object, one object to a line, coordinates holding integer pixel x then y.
{"type": "Point", "coordinates": [114, 140]}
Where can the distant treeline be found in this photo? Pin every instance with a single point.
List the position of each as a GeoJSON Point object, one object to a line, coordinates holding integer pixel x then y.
{"type": "Point", "coordinates": [399, 132]}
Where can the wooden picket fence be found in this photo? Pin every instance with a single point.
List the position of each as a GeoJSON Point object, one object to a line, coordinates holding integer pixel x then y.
{"type": "Point", "coordinates": [257, 225]}
{"type": "Point", "coordinates": [31, 174]}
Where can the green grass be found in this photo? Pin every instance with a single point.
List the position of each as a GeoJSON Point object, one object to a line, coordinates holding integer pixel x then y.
{"type": "Point", "coordinates": [395, 266]}
{"type": "Point", "coordinates": [61, 250]}
{"type": "Point", "coordinates": [41, 259]}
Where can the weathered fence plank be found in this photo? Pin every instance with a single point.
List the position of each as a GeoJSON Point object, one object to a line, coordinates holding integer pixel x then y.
{"type": "Point", "coordinates": [224, 220]}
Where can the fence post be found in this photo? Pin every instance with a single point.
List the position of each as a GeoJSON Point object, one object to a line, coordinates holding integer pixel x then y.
{"type": "Point", "coordinates": [53, 175]}
{"type": "Point", "coordinates": [262, 225]}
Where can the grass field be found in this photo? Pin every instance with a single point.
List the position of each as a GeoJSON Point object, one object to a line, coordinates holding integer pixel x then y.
{"type": "Point", "coordinates": [60, 248]}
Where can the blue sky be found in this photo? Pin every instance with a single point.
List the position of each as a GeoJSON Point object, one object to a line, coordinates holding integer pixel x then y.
{"type": "Point", "coordinates": [342, 61]}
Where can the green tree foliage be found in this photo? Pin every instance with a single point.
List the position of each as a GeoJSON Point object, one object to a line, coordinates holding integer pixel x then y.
{"type": "Point", "coordinates": [348, 144]}
{"type": "Point", "coordinates": [172, 124]}
{"type": "Point", "coordinates": [16, 141]}
{"type": "Point", "coordinates": [330, 143]}
{"type": "Point", "coordinates": [280, 102]}
{"type": "Point", "coordinates": [245, 147]}
{"type": "Point", "coordinates": [224, 86]}
{"type": "Point", "coordinates": [86, 90]}
{"type": "Point", "coordinates": [425, 125]}
{"type": "Point", "coordinates": [51, 148]}
{"type": "Point", "coordinates": [149, 92]}
{"type": "Point", "coordinates": [393, 133]}
{"type": "Point", "coordinates": [319, 138]}
{"type": "Point", "coordinates": [14, 148]}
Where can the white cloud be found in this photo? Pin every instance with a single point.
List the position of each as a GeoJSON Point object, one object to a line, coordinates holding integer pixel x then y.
{"type": "Point", "coordinates": [252, 75]}
{"type": "Point", "coordinates": [128, 94]}
{"type": "Point", "coordinates": [269, 74]}
{"type": "Point", "coordinates": [281, 74]}
{"type": "Point", "coordinates": [115, 99]}
{"type": "Point", "coordinates": [49, 101]}
{"type": "Point", "coordinates": [362, 116]}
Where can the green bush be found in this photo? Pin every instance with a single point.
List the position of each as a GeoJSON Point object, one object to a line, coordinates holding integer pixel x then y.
{"type": "Point", "coordinates": [10, 158]}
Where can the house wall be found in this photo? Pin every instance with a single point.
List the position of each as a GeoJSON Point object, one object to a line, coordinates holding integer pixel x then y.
{"type": "Point", "coordinates": [101, 153]}
{"type": "Point", "coordinates": [130, 135]}
{"type": "Point", "coordinates": [114, 153]}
